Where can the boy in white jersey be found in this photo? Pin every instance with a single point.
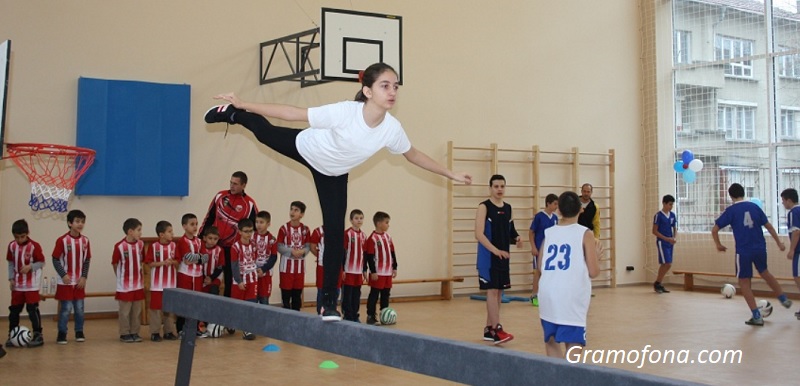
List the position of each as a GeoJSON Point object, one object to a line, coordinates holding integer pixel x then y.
{"type": "Point", "coordinates": [162, 259]}
{"type": "Point", "coordinates": [25, 262]}
{"type": "Point", "coordinates": [267, 249]}
{"type": "Point", "coordinates": [190, 270]}
{"type": "Point", "coordinates": [293, 246]}
{"type": "Point", "coordinates": [382, 262]}
{"type": "Point", "coordinates": [212, 269]}
{"type": "Point", "coordinates": [568, 260]}
{"type": "Point", "coordinates": [355, 267]}
{"type": "Point", "coordinates": [127, 262]}
{"type": "Point", "coordinates": [244, 268]}
{"type": "Point", "coordinates": [71, 257]}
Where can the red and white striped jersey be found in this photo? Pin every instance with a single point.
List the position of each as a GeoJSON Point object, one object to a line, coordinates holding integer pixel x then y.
{"type": "Point", "coordinates": [165, 276]}
{"type": "Point", "coordinates": [186, 245]}
{"type": "Point", "coordinates": [266, 246]}
{"type": "Point", "coordinates": [318, 237]}
{"type": "Point", "coordinates": [127, 257]}
{"type": "Point", "coordinates": [380, 245]}
{"type": "Point", "coordinates": [293, 237]}
{"type": "Point", "coordinates": [354, 250]}
{"type": "Point", "coordinates": [246, 255]}
{"type": "Point", "coordinates": [22, 255]}
{"type": "Point", "coordinates": [215, 259]}
{"type": "Point", "coordinates": [71, 252]}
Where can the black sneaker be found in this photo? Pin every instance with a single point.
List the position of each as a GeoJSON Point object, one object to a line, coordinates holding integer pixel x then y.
{"type": "Point", "coordinates": [488, 334]}
{"type": "Point", "coordinates": [79, 337]}
{"type": "Point", "coordinates": [155, 338]}
{"type": "Point", "coordinates": [658, 288]}
{"type": "Point", "coordinates": [37, 340]}
{"type": "Point", "coordinates": [797, 315]}
{"type": "Point", "coordinates": [136, 338]}
{"type": "Point", "coordinates": [329, 314]}
{"type": "Point", "coordinates": [126, 338]}
{"type": "Point", "coordinates": [755, 322]}
{"type": "Point", "coordinates": [170, 336]}
{"type": "Point", "coordinates": [62, 338]}
{"type": "Point", "coordinates": [371, 320]}
{"type": "Point", "coordinates": [663, 289]}
{"type": "Point", "coordinates": [248, 335]}
{"type": "Point", "coordinates": [221, 113]}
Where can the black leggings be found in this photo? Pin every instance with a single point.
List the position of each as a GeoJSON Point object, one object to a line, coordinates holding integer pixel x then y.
{"type": "Point", "coordinates": [332, 192]}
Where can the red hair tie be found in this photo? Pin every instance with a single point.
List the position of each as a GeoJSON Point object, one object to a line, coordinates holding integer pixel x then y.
{"type": "Point", "coordinates": [361, 76]}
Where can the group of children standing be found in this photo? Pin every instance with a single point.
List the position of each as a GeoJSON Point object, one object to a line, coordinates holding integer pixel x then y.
{"type": "Point", "coordinates": [196, 263]}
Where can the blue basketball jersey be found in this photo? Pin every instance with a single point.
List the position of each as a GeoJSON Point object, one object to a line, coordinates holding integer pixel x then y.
{"type": "Point", "coordinates": [793, 224]}
{"type": "Point", "coordinates": [665, 223]}
{"type": "Point", "coordinates": [746, 220]}
{"type": "Point", "coordinates": [541, 222]}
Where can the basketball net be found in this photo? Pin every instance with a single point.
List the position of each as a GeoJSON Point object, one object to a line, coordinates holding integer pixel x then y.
{"type": "Point", "coordinates": [52, 171]}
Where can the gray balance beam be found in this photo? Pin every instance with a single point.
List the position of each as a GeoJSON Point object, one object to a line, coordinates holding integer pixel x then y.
{"type": "Point", "coordinates": [442, 358]}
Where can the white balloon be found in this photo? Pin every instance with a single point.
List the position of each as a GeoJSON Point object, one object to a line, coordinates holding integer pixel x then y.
{"type": "Point", "coordinates": [696, 165]}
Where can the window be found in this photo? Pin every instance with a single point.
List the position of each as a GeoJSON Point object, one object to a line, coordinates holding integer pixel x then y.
{"type": "Point", "coordinates": [681, 47]}
{"type": "Point", "coordinates": [788, 65]}
{"type": "Point", "coordinates": [730, 48]}
{"type": "Point", "coordinates": [737, 120]}
{"type": "Point", "coordinates": [789, 124]}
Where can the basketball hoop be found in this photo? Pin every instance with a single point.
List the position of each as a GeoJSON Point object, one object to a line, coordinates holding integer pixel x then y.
{"type": "Point", "coordinates": [52, 171]}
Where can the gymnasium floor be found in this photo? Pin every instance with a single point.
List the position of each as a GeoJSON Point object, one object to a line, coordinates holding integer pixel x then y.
{"type": "Point", "coordinates": [627, 318]}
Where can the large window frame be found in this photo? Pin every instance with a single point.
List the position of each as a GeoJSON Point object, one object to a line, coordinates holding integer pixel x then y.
{"type": "Point", "coordinates": [728, 48]}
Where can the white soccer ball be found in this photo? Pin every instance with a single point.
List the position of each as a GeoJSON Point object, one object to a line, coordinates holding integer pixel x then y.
{"type": "Point", "coordinates": [728, 291]}
{"type": "Point", "coordinates": [765, 307]}
{"type": "Point", "coordinates": [214, 330]}
{"type": "Point", "coordinates": [20, 336]}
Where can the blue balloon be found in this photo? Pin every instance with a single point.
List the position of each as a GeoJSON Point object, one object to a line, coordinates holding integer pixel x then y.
{"type": "Point", "coordinates": [687, 156]}
{"type": "Point", "coordinates": [689, 176]}
{"type": "Point", "coordinates": [678, 167]}
{"type": "Point", "coordinates": [758, 202]}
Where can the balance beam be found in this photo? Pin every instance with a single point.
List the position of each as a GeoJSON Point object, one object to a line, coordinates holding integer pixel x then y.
{"type": "Point", "coordinates": [456, 361]}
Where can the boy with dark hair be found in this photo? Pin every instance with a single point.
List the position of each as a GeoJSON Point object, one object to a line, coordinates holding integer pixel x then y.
{"type": "Point", "coordinates": [569, 262]}
{"type": "Point", "coordinates": [245, 269]}
{"type": "Point", "coordinates": [187, 252]}
{"type": "Point", "coordinates": [214, 260]}
{"type": "Point", "coordinates": [267, 255]}
{"type": "Point", "coordinates": [163, 261]}
{"type": "Point", "coordinates": [355, 273]}
{"type": "Point", "coordinates": [665, 228]}
{"type": "Point", "coordinates": [25, 261]}
{"type": "Point", "coordinates": [790, 200]}
{"type": "Point", "coordinates": [493, 219]}
{"type": "Point", "coordinates": [746, 220]}
{"type": "Point", "coordinates": [543, 220]}
{"type": "Point", "coordinates": [293, 246]}
{"type": "Point", "coordinates": [382, 262]}
{"type": "Point", "coordinates": [71, 257]}
{"type": "Point", "coordinates": [127, 261]}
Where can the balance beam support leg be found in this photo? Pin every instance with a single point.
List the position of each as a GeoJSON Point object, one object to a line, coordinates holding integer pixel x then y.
{"type": "Point", "coordinates": [184, 373]}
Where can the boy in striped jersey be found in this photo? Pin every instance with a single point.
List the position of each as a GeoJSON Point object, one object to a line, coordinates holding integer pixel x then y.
{"type": "Point", "coordinates": [293, 246]}
{"type": "Point", "coordinates": [244, 268]}
{"type": "Point", "coordinates": [354, 266]}
{"type": "Point", "coordinates": [71, 257]}
{"type": "Point", "coordinates": [382, 263]}
{"type": "Point", "coordinates": [25, 262]}
{"type": "Point", "coordinates": [162, 260]}
{"type": "Point", "coordinates": [127, 262]}
{"type": "Point", "coordinates": [214, 260]}
{"type": "Point", "coordinates": [187, 251]}
{"type": "Point", "coordinates": [267, 255]}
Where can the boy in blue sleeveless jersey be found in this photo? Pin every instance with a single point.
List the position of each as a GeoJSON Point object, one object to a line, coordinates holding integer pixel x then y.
{"type": "Point", "coordinates": [665, 229]}
{"type": "Point", "coordinates": [746, 220]}
{"type": "Point", "coordinates": [543, 220]}
{"type": "Point", "coordinates": [790, 199]}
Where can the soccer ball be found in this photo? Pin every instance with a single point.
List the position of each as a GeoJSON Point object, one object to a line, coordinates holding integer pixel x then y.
{"type": "Point", "coordinates": [728, 291]}
{"type": "Point", "coordinates": [388, 316]}
{"type": "Point", "coordinates": [214, 330]}
{"type": "Point", "coordinates": [20, 336]}
{"type": "Point", "coordinates": [765, 307]}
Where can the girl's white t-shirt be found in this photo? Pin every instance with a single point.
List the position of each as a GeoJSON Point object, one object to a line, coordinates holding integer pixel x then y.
{"type": "Point", "coordinates": [339, 138]}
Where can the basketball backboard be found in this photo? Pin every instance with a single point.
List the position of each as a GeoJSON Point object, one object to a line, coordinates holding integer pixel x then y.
{"type": "Point", "coordinates": [353, 40]}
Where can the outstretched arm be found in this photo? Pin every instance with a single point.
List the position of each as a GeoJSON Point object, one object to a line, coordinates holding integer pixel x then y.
{"type": "Point", "coordinates": [285, 112]}
{"type": "Point", "coordinates": [422, 160]}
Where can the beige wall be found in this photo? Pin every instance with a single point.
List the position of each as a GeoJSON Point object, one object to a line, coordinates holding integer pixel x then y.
{"type": "Point", "coordinates": [517, 73]}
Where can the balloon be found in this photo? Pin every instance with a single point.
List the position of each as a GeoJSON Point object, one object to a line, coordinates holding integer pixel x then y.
{"type": "Point", "coordinates": [678, 167]}
{"type": "Point", "coordinates": [696, 165]}
{"type": "Point", "coordinates": [689, 176]}
{"type": "Point", "coordinates": [758, 202]}
{"type": "Point", "coordinates": [687, 156]}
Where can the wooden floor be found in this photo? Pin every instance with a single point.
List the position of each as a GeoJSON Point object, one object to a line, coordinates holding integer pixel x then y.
{"type": "Point", "coordinates": [620, 319]}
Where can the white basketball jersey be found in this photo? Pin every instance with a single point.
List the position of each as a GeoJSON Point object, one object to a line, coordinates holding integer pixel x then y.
{"type": "Point", "coordinates": [565, 288]}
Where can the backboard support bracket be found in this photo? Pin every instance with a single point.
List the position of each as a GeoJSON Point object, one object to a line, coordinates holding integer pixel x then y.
{"type": "Point", "coordinates": [302, 69]}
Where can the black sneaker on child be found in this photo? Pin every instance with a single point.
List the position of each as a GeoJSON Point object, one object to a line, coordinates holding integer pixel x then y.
{"type": "Point", "coordinates": [248, 335]}
{"type": "Point", "coordinates": [170, 336]}
{"type": "Point", "coordinates": [488, 334]}
{"type": "Point", "coordinates": [136, 338]}
{"type": "Point", "coordinates": [79, 337]}
{"type": "Point", "coordinates": [155, 338]}
{"type": "Point", "coordinates": [37, 340]}
{"type": "Point", "coordinates": [371, 320]}
{"type": "Point", "coordinates": [126, 338]}
{"type": "Point", "coordinates": [329, 314]}
{"type": "Point", "coordinates": [62, 338]}
{"type": "Point", "coordinates": [221, 113]}
{"type": "Point", "coordinates": [663, 289]}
